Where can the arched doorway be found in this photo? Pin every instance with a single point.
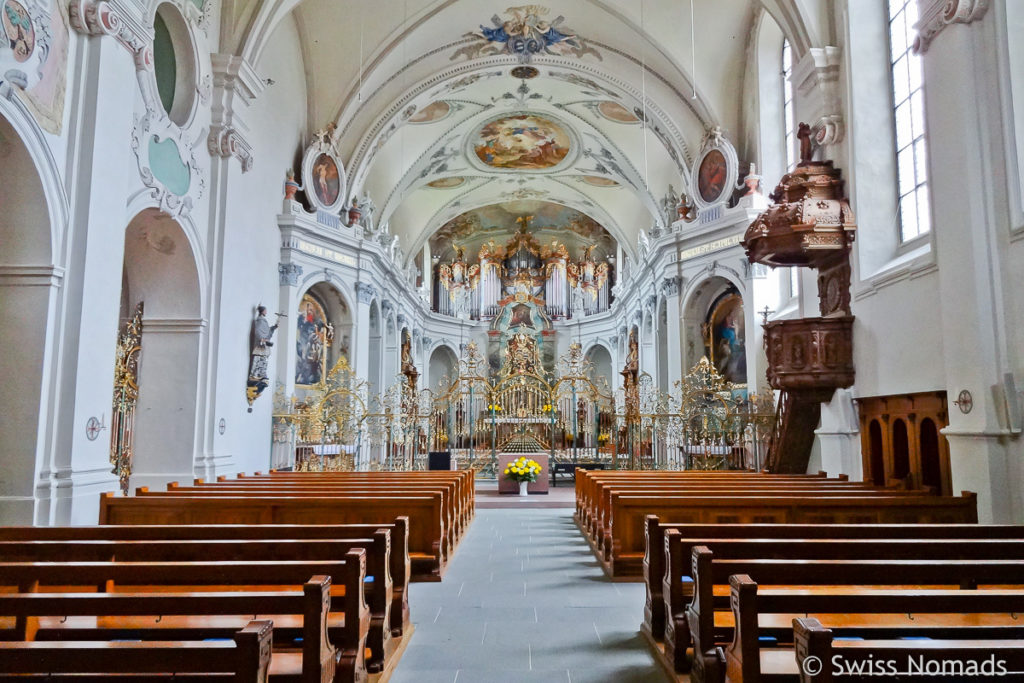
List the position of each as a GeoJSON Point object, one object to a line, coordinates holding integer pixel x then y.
{"type": "Point", "coordinates": [28, 299]}
{"type": "Point", "coordinates": [160, 271]}
{"type": "Point", "coordinates": [714, 326]}
{"type": "Point", "coordinates": [601, 361]}
{"type": "Point", "coordinates": [323, 333]}
{"type": "Point", "coordinates": [376, 350]}
{"type": "Point", "coordinates": [443, 364]}
{"type": "Point", "coordinates": [662, 326]}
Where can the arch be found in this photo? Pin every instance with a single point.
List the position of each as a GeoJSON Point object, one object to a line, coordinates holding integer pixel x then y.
{"type": "Point", "coordinates": [376, 349]}
{"type": "Point", "coordinates": [662, 344]}
{"type": "Point", "coordinates": [323, 331]}
{"type": "Point", "coordinates": [600, 358]}
{"type": "Point", "coordinates": [769, 119]}
{"type": "Point", "coordinates": [647, 351]}
{"type": "Point", "coordinates": [444, 363]}
{"type": "Point", "coordinates": [900, 449]}
{"type": "Point", "coordinates": [391, 352]}
{"type": "Point", "coordinates": [29, 299]}
{"type": "Point", "coordinates": [703, 302]}
{"type": "Point", "coordinates": [876, 456]}
{"type": "Point", "coordinates": [161, 271]}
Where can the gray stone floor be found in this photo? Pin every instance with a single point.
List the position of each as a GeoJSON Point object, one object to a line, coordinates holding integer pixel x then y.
{"type": "Point", "coordinates": [525, 600]}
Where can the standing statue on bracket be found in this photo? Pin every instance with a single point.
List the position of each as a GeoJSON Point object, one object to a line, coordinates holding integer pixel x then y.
{"type": "Point", "coordinates": [408, 368]}
{"type": "Point", "coordinates": [262, 332]}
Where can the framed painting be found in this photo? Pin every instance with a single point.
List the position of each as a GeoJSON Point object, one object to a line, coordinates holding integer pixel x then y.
{"type": "Point", "coordinates": [323, 176]}
{"type": "Point", "coordinates": [314, 334]}
{"type": "Point", "coordinates": [727, 338]}
{"type": "Point", "coordinates": [715, 171]}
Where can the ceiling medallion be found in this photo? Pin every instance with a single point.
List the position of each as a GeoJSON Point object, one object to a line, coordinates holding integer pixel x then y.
{"type": "Point", "coordinates": [524, 72]}
{"type": "Point", "coordinates": [522, 141]}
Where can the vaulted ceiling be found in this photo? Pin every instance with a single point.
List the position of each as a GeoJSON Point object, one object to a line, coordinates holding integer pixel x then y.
{"type": "Point", "coordinates": [616, 98]}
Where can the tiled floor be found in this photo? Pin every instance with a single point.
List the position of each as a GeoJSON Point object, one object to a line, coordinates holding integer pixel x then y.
{"type": "Point", "coordinates": [525, 600]}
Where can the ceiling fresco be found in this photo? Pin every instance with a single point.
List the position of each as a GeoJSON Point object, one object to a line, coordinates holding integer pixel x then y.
{"type": "Point", "coordinates": [498, 222]}
{"type": "Point", "coordinates": [523, 141]}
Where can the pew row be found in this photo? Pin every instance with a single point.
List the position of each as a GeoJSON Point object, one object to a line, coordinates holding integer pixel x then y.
{"type": "Point", "coordinates": [245, 660]}
{"type": "Point", "coordinates": [426, 531]}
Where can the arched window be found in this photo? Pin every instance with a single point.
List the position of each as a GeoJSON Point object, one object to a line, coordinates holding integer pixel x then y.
{"type": "Point", "coordinates": [789, 120]}
{"type": "Point", "coordinates": [908, 108]}
{"type": "Point", "coordinates": [789, 115]}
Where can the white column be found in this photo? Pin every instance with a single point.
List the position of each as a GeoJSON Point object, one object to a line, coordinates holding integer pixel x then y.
{"type": "Point", "coordinates": [102, 165]}
{"type": "Point", "coordinates": [971, 245]}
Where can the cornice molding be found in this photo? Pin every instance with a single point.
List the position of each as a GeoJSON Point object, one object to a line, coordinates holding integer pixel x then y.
{"type": "Point", "coordinates": [226, 142]}
{"type": "Point", "coordinates": [115, 18]}
{"type": "Point", "coordinates": [938, 14]}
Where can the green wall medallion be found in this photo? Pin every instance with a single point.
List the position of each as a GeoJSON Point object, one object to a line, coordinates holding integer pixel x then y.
{"type": "Point", "coordinates": [167, 166]}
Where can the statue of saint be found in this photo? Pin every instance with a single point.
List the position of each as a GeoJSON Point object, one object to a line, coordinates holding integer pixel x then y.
{"type": "Point", "coordinates": [262, 332]}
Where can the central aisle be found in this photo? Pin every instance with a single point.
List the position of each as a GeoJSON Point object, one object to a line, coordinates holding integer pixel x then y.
{"type": "Point", "coordinates": [525, 600]}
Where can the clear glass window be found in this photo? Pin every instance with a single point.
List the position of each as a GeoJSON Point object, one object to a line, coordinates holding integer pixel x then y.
{"type": "Point", "coordinates": [908, 103]}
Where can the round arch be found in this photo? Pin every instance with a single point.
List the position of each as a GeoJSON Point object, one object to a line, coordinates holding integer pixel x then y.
{"type": "Point", "coordinates": [32, 228]}
{"type": "Point", "coordinates": [161, 271]}
{"type": "Point", "coordinates": [444, 363]}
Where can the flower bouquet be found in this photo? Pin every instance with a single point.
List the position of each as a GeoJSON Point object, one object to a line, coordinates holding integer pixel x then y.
{"type": "Point", "coordinates": [523, 470]}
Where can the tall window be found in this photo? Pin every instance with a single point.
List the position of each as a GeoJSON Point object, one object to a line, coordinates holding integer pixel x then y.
{"type": "Point", "coordinates": [908, 103]}
{"type": "Point", "coordinates": [788, 114]}
{"type": "Point", "coordinates": [789, 121]}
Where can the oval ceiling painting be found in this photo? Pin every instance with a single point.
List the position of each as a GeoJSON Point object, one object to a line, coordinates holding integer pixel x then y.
{"type": "Point", "coordinates": [525, 141]}
{"type": "Point", "coordinates": [613, 111]}
{"type": "Point", "coordinates": [435, 111]}
{"type": "Point", "coordinates": [446, 183]}
{"type": "Point", "coordinates": [599, 181]}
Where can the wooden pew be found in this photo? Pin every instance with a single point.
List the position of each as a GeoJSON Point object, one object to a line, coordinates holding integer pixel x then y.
{"type": "Point", "coordinates": [697, 624]}
{"type": "Point", "coordinates": [246, 660]}
{"type": "Point", "coordinates": [605, 518]}
{"type": "Point", "coordinates": [426, 528]}
{"type": "Point", "coordinates": [453, 517]}
{"type": "Point", "coordinates": [989, 657]}
{"type": "Point", "coordinates": [589, 484]}
{"type": "Point", "coordinates": [330, 650]}
{"type": "Point", "coordinates": [626, 540]}
{"type": "Point", "coordinates": [378, 590]}
{"type": "Point", "coordinates": [399, 567]}
{"type": "Point", "coordinates": [706, 534]}
{"type": "Point", "coordinates": [464, 480]}
{"type": "Point", "coordinates": [459, 485]}
{"type": "Point", "coordinates": [918, 613]}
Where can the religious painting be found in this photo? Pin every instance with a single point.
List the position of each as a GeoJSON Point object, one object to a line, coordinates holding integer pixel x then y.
{"type": "Point", "coordinates": [725, 338]}
{"type": "Point", "coordinates": [326, 180]}
{"type": "Point", "coordinates": [314, 334]}
{"type": "Point", "coordinates": [711, 176]}
{"type": "Point", "coordinates": [613, 111]}
{"type": "Point", "coordinates": [522, 316]}
{"type": "Point", "coordinates": [17, 25]}
{"type": "Point", "coordinates": [524, 141]}
{"type": "Point", "coordinates": [446, 183]}
{"type": "Point", "coordinates": [435, 111]}
{"type": "Point", "coordinates": [34, 55]}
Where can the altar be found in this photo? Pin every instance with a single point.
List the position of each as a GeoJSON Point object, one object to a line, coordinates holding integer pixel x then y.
{"type": "Point", "coordinates": [506, 485]}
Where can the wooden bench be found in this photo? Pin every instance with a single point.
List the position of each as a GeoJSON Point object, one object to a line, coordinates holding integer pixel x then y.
{"type": "Point", "coordinates": [461, 497]}
{"type": "Point", "coordinates": [625, 544]}
{"type": "Point", "coordinates": [426, 527]}
{"type": "Point", "coordinates": [377, 586]}
{"type": "Point", "coordinates": [399, 567]}
{"type": "Point", "coordinates": [605, 515]}
{"type": "Point", "coordinates": [989, 657]}
{"type": "Point", "coordinates": [245, 660]}
{"type": "Point", "coordinates": [916, 613]}
{"type": "Point", "coordinates": [454, 518]}
{"type": "Point", "coordinates": [332, 648]}
{"type": "Point", "coordinates": [655, 555]}
{"type": "Point", "coordinates": [696, 625]}
{"type": "Point", "coordinates": [570, 468]}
